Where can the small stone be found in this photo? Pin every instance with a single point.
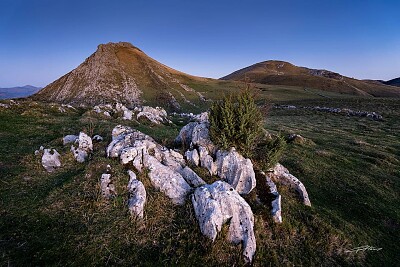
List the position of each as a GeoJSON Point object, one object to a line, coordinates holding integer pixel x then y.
{"type": "Point", "coordinates": [51, 160]}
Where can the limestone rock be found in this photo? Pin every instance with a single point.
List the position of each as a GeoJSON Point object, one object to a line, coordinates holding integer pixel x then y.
{"type": "Point", "coordinates": [69, 139]}
{"type": "Point", "coordinates": [167, 180]}
{"type": "Point", "coordinates": [281, 175]}
{"type": "Point", "coordinates": [184, 137]}
{"type": "Point", "coordinates": [172, 159]}
{"type": "Point", "coordinates": [155, 115]}
{"type": "Point", "coordinates": [218, 203]}
{"type": "Point", "coordinates": [50, 160]}
{"type": "Point", "coordinates": [191, 177]}
{"type": "Point", "coordinates": [201, 137]}
{"type": "Point", "coordinates": [137, 196]}
{"type": "Point", "coordinates": [120, 131]}
{"type": "Point", "coordinates": [127, 115]}
{"type": "Point", "coordinates": [236, 170]}
{"type": "Point", "coordinates": [85, 146]}
{"type": "Point", "coordinates": [276, 206]}
{"type": "Point", "coordinates": [206, 161]}
{"type": "Point", "coordinates": [192, 156]}
{"type": "Point", "coordinates": [107, 187]}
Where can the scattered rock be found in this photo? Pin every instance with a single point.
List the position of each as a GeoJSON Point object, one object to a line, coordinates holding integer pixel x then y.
{"type": "Point", "coordinates": [97, 138]}
{"type": "Point", "coordinates": [137, 196]}
{"type": "Point", "coordinates": [51, 160]}
{"type": "Point", "coordinates": [296, 138]}
{"type": "Point", "coordinates": [107, 187]}
{"type": "Point", "coordinates": [85, 146]}
{"type": "Point", "coordinates": [206, 161]}
{"type": "Point", "coordinates": [219, 203]}
{"type": "Point", "coordinates": [69, 139]}
{"type": "Point", "coordinates": [272, 190]}
{"type": "Point", "coordinates": [341, 111]}
{"type": "Point", "coordinates": [281, 175]}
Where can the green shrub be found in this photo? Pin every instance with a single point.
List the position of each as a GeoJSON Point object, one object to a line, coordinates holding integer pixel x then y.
{"type": "Point", "coordinates": [236, 121]}
{"type": "Point", "coordinates": [268, 152]}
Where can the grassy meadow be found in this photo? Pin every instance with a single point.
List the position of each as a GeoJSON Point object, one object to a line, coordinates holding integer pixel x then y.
{"type": "Point", "coordinates": [349, 165]}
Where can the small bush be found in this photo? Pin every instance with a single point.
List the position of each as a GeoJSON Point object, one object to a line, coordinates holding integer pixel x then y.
{"type": "Point", "coordinates": [268, 152]}
{"type": "Point", "coordinates": [236, 121]}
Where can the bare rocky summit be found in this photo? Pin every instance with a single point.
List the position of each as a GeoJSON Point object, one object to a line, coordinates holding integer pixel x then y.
{"type": "Point", "coordinates": [121, 72]}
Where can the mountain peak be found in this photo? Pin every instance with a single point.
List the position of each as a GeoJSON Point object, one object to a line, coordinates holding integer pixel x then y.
{"type": "Point", "coordinates": [121, 72]}
{"type": "Point", "coordinates": [112, 45]}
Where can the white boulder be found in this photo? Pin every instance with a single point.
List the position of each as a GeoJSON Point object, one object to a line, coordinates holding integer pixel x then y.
{"type": "Point", "coordinates": [51, 160]}
{"type": "Point", "coordinates": [218, 203]}
{"type": "Point", "coordinates": [236, 170]}
{"type": "Point", "coordinates": [137, 196]}
{"type": "Point", "coordinates": [165, 179]}
{"type": "Point", "coordinates": [155, 115]}
{"type": "Point", "coordinates": [85, 146]}
{"type": "Point", "coordinates": [281, 175]}
{"type": "Point", "coordinates": [69, 139]}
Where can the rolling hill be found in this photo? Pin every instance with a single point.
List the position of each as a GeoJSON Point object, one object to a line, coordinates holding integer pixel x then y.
{"type": "Point", "coordinates": [393, 82]}
{"type": "Point", "coordinates": [284, 73]}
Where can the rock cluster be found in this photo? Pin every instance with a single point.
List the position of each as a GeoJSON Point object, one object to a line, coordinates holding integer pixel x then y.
{"type": "Point", "coordinates": [230, 166]}
{"type": "Point", "coordinates": [341, 111]}
{"type": "Point", "coordinates": [155, 115]}
{"type": "Point", "coordinates": [167, 170]}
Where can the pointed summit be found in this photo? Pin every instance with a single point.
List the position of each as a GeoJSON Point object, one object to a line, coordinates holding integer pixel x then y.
{"type": "Point", "coordinates": [121, 72]}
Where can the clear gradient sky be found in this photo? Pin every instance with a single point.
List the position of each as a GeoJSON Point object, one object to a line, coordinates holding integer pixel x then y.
{"type": "Point", "coordinates": [41, 40]}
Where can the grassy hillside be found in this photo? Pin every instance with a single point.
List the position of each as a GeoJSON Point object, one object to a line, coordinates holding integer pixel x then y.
{"type": "Point", "coordinates": [284, 73]}
{"type": "Point", "coordinates": [350, 166]}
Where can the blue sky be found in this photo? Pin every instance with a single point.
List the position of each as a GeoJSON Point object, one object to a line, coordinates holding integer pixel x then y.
{"type": "Point", "coordinates": [41, 40]}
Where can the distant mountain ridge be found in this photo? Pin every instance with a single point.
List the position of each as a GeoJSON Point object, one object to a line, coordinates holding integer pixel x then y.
{"type": "Point", "coordinates": [17, 92]}
{"type": "Point", "coordinates": [284, 73]}
{"type": "Point", "coordinates": [393, 82]}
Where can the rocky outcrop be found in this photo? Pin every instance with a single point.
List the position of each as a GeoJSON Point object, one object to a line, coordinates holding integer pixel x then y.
{"type": "Point", "coordinates": [341, 111]}
{"type": "Point", "coordinates": [69, 139]}
{"type": "Point", "coordinates": [140, 150]}
{"type": "Point", "coordinates": [281, 175]}
{"type": "Point", "coordinates": [50, 160]}
{"type": "Point", "coordinates": [155, 115]}
{"type": "Point", "coordinates": [85, 147]}
{"type": "Point", "coordinates": [236, 170]}
{"type": "Point", "coordinates": [268, 192]}
{"type": "Point", "coordinates": [219, 203]}
{"type": "Point", "coordinates": [230, 166]}
{"type": "Point", "coordinates": [137, 196]}
{"type": "Point", "coordinates": [168, 181]}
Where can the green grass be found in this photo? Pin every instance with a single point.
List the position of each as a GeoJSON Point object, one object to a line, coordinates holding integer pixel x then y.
{"type": "Point", "coordinates": [351, 170]}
